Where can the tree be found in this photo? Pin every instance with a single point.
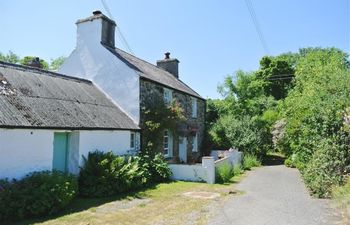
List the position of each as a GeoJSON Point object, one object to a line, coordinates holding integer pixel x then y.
{"type": "Point", "coordinates": [56, 63]}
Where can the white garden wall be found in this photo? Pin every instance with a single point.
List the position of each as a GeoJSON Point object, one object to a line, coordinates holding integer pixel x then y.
{"type": "Point", "coordinates": [23, 151]}
{"type": "Point", "coordinates": [206, 170]}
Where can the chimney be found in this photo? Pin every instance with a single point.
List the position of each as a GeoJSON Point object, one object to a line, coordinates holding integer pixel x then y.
{"type": "Point", "coordinates": [169, 64]}
{"type": "Point", "coordinates": [35, 63]}
{"type": "Point", "coordinates": [97, 28]}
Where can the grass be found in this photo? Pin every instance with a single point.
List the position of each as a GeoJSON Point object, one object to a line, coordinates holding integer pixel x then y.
{"type": "Point", "coordinates": [341, 196]}
{"type": "Point", "coordinates": [250, 161]}
{"type": "Point", "coordinates": [165, 205]}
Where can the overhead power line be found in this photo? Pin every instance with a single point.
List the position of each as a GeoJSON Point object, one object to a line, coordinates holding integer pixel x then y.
{"type": "Point", "coordinates": [257, 26]}
{"type": "Point", "coordinates": [120, 34]}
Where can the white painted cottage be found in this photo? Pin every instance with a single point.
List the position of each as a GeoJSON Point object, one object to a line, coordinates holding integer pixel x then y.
{"type": "Point", "coordinates": [49, 121]}
{"type": "Point", "coordinates": [132, 83]}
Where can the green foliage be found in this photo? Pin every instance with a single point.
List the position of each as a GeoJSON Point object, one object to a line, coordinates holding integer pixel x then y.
{"type": "Point", "coordinates": [247, 134]}
{"type": "Point", "coordinates": [28, 59]}
{"type": "Point", "coordinates": [341, 194]}
{"type": "Point", "coordinates": [158, 117]}
{"type": "Point", "coordinates": [10, 57]}
{"type": "Point", "coordinates": [328, 166]}
{"type": "Point", "coordinates": [289, 163]}
{"type": "Point", "coordinates": [237, 170]}
{"type": "Point", "coordinates": [250, 161]}
{"type": "Point", "coordinates": [224, 173]}
{"type": "Point", "coordinates": [39, 193]}
{"type": "Point", "coordinates": [56, 63]}
{"type": "Point", "coordinates": [105, 174]}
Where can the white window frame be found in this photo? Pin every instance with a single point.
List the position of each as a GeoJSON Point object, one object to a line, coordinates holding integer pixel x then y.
{"type": "Point", "coordinates": [195, 143]}
{"type": "Point", "coordinates": [167, 143]}
{"type": "Point", "coordinates": [167, 95]}
{"type": "Point", "coordinates": [194, 107]}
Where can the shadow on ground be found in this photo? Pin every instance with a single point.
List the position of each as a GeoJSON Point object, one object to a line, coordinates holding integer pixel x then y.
{"type": "Point", "coordinates": [81, 204]}
{"type": "Point", "coordinates": [273, 160]}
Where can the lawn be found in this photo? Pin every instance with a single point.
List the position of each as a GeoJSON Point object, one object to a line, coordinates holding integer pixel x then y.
{"type": "Point", "coordinates": [160, 204]}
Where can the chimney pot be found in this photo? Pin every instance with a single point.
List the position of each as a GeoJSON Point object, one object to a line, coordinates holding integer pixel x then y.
{"type": "Point", "coordinates": [170, 65]}
{"type": "Point", "coordinates": [96, 12]}
{"type": "Point", "coordinates": [35, 63]}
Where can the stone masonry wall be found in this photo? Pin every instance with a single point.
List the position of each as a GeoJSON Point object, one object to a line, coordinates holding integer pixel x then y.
{"type": "Point", "coordinates": [188, 128]}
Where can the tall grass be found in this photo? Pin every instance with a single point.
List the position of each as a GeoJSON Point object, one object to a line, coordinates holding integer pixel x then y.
{"type": "Point", "coordinates": [341, 196]}
{"type": "Point", "coordinates": [250, 161]}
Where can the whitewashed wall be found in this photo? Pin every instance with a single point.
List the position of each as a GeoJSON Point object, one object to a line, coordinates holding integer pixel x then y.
{"type": "Point", "coordinates": [24, 151]}
{"type": "Point", "coordinates": [116, 141]}
{"type": "Point", "coordinates": [91, 60]}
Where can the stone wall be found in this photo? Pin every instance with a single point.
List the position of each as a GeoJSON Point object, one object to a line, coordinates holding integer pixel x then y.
{"type": "Point", "coordinates": [188, 128]}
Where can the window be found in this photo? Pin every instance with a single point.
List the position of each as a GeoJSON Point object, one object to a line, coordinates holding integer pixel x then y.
{"type": "Point", "coordinates": [132, 140]}
{"type": "Point", "coordinates": [195, 143]}
{"type": "Point", "coordinates": [194, 107]}
{"type": "Point", "coordinates": [168, 96]}
{"type": "Point", "coordinates": [167, 143]}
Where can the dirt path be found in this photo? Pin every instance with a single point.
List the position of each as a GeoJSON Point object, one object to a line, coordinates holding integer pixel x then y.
{"type": "Point", "coordinates": [274, 195]}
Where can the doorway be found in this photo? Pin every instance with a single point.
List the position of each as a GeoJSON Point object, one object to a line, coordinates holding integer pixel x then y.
{"type": "Point", "coordinates": [60, 151]}
{"type": "Point", "coordinates": [183, 149]}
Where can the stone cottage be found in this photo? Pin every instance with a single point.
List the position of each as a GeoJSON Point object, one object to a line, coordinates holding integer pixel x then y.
{"type": "Point", "coordinates": [50, 121]}
{"type": "Point", "coordinates": [130, 81]}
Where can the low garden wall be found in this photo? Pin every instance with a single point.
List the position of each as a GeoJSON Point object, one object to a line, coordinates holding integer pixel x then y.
{"type": "Point", "coordinates": [204, 172]}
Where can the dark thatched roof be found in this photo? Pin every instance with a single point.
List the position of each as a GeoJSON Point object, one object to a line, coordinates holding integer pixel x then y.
{"type": "Point", "coordinates": [35, 98]}
{"type": "Point", "coordinates": [152, 72]}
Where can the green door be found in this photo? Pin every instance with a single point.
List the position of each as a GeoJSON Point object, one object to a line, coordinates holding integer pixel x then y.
{"type": "Point", "coordinates": [60, 151]}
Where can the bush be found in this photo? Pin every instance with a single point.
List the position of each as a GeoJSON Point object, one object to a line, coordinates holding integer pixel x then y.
{"type": "Point", "coordinates": [224, 173]}
{"type": "Point", "coordinates": [105, 174]}
{"type": "Point", "coordinates": [247, 134]}
{"type": "Point", "coordinates": [289, 163]}
{"type": "Point", "coordinates": [328, 167]}
{"type": "Point", "coordinates": [39, 193]}
{"type": "Point", "coordinates": [250, 161]}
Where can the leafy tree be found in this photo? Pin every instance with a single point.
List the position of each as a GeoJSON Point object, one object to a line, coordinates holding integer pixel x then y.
{"type": "Point", "coordinates": [56, 63]}
{"type": "Point", "coordinates": [10, 57]}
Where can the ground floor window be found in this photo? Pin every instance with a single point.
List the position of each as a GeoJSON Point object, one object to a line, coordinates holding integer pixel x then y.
{"type": "Point", "coordinates": [132, 140]}
{"type": "Point", "coordinates": [167, 143]}
{"type": "Point", "coordinates": [195, 143]}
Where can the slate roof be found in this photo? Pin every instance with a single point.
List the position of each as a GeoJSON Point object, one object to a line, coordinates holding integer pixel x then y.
{"type": "Point", "coordinates": [35, 98]}
{"type": "Point", "coordinates": [152, 72]}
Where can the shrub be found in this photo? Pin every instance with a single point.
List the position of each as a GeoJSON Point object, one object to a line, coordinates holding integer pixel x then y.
{"type": "Point", "coordinates": [224, 173]}
{"type": "Point", "coordinates": [327, 167]}
{"type": "Point", "coordinates": [39, 193]}
{"type": "Point", "coordinates": [289, 163]}
{"type": "Point", "coordinates": [237, 170]}
{"type": "Point", "coordinates": [105, 174]}
{"type": "Point", "coordinates": [250, 161]}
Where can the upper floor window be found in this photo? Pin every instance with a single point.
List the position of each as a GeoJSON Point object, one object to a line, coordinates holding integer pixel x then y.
{"type": "Point", "coordinates": [195, 143]}
{"type": "Point", "coordinates": [194, 107]}
{"type": "Point", "coordinates": [167, 143]}
{"type": "Point", "coordinates": [168, 96]}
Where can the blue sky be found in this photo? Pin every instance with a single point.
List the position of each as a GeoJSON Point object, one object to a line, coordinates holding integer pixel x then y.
{"type": "Point", "coordinates": [210, 38]}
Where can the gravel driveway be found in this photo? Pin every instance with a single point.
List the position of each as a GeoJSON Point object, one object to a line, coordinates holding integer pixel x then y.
{"type": "Point", "coordinates": [274, 195]}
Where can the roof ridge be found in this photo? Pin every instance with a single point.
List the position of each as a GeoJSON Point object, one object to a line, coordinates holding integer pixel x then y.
{"type": "Point", "coordinates": [163, 71]}
{"type": "Point", "coordinates": [41, 71]}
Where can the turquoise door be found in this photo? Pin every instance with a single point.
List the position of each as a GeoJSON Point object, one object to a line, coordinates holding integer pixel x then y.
{"type": "Point", "coordinates": [60, 151]}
